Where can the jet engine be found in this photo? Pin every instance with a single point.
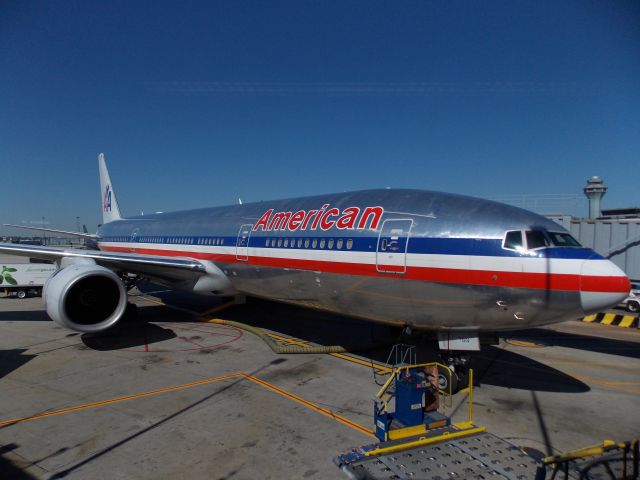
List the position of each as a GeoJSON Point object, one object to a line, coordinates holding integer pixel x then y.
{"type": "Point", "coordinates": [85, 297]}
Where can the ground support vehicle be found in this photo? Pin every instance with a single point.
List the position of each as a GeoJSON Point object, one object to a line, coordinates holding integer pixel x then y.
{"type": "Point", "coordinates": [24, 279]}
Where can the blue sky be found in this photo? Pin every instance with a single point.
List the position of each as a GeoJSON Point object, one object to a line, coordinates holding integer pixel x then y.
{"type": "Point", "coordinates": [198, 103]}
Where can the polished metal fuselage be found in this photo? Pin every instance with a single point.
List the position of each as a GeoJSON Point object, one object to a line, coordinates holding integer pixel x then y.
{"type": "Point", "coordinates": [445, 233]}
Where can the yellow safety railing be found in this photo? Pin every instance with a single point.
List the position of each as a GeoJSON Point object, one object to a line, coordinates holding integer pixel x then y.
{"type": "Point", "coordinates": [561, 462]}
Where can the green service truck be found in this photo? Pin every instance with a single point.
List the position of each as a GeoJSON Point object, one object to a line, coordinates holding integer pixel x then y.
{"type": "Point", "coordinates": [24, 279]}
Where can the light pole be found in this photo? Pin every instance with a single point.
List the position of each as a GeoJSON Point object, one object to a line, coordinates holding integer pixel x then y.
{"type": "Point", "coordinates": [44, 235]}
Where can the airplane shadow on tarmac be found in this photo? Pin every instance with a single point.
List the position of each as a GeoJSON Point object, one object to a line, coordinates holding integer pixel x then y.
{"type": "Point", "coordinates": [8, 470]}
{"type": "Point", "coordinates": [504, 368]}
{"type": "Point", "coordinates": [492, 366]}
{"type": "Point", "coordinates": [13, 359]}
{"type": "Point", "coordinates": [24, 316]}
{"type": "Point", "coordinates": [135, 332]}
{"type": "Point", "coordinates": [581, 342]}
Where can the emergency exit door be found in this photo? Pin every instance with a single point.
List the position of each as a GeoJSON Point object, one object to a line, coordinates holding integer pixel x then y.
{"type": "Point", "coordinates": [242, 244]}
{"type": "Point", "coordinates": [391, 253]}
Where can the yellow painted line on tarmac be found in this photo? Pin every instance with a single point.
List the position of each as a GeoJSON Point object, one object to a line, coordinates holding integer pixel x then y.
{"type": "Point", "coordinates": [218, 308]}
{"type": "Point", "coordinates": [608, 318]}
{"type": "Point", "coordinates": [342, 356]}
{"type": "Point", "coordinates": [611, 385]}
{"type": "Point", "coordinates": [311, 405]}
{"type": "Point", "coordinates": [359, 361]}
{"type": "Point", "coordinates": [523, 343]}
{"type": "Point", "coordinates": [292, 341]}
{"type": "Point", "coordinates": [153, 300]}
{"type": "Point", "coordinates": [111, 401]}
{"type": "Point", "coordinates": [289, 340]}
{"type": "Point", "coordinates": [324, 411]}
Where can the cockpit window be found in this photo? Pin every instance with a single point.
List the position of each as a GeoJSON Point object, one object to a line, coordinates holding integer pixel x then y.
{"type": "Point", "coordinates": [537, 239]}
{"type": "Point", "coordinates": [513, 240]}
{"type": "Point", "coordinates": [563, 240]}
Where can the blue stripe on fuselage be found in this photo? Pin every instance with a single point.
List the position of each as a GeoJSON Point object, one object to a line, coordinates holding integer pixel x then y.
{"type": "Point", "coordinates": [417, 245]}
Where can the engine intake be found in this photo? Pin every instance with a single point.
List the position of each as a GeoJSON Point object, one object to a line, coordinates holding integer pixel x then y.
{"type": "Point", "coordinates": [85, 298]}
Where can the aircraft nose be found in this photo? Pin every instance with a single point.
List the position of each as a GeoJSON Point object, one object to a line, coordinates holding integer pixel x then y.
{"type": "Point", "coordinates": [602, 285]}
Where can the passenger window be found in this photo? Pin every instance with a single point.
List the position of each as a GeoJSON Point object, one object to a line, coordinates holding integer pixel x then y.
{"type": "Point", "coordinates": [339, 244]}
{"type": "Point", "coordinates": [306, 243]}
{"type": "Point", "coordinates": [330, 243]}
{"type": "Point", "coordinates": [267, 242]}
{"type": "Point", "coordinates": [299, 243]}
{"type": "Point", "coordinates": [314, 243]}
{"type": "Point", "coordinates": [513, 240]}
{"type": "Point", "coordinates": [286, 242]}
{"type": "Point", "coordinates": [349, 244]}
{"type": "Point", "coordinates": [322, 241]}
{"type": "Point", "coordinates": [279, 242]}
{"type": "Point", "coordinates": [293, 243]}
{"type": "Point", "coordinates": [536, 239]}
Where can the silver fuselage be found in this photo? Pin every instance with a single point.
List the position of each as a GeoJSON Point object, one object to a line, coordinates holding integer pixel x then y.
{"type": "Point", "coordinates": [425, 259]}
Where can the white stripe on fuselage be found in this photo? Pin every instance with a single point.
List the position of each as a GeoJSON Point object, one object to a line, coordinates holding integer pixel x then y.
{"type": "Point", "coordinates": [458, 262]}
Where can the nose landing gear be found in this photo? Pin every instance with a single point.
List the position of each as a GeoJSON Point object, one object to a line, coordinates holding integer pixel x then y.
{"type": "Point", "coordinates": [457, 377]}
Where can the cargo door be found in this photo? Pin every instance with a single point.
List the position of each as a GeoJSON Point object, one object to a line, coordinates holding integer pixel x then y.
{"type": "Point", "coordinates": [391, 253]}
{"type": "Point", "coordinates": [242, 244]}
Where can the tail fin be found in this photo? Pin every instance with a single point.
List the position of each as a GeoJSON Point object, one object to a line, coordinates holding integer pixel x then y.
{"type": "Point", "coordinates": [110, 210]}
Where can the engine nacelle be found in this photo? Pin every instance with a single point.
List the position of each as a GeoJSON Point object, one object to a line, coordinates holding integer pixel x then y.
{"type": "Point", "coordinates": [85, 298]}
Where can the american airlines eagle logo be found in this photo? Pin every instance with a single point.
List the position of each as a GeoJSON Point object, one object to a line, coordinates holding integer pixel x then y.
{"type": "Point", "coordinates": [325, 218]}
{"type": "Point", "coordinates": [106, 201]}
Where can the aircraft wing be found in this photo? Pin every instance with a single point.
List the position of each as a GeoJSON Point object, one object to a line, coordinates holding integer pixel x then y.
{"type": "Point", "coordinates": [164, 268]}
{"type": "Point", "coordinates": [52, 230]}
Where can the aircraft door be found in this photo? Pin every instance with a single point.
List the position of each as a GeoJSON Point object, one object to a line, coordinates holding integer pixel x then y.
{"type": "Point", "coordinates": [133, 239]}
{"type": "Point", "coordinates": [391, 252]}
{"type": "Point", "coordinates": [242, 244]}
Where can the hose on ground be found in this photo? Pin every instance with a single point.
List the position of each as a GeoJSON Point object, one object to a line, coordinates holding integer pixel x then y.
{"type": "Point", "coordinates": [279, 349]}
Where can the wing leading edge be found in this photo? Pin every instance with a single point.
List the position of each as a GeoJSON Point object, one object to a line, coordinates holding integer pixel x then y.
{"type": "Point", "coordinates": [163, 268]}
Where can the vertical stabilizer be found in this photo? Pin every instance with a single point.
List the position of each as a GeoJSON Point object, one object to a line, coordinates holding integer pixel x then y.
{"type": "Point", "coordinates": [110, 210]}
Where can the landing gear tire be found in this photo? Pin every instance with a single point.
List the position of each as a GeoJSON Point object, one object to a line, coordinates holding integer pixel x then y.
{"type": "Point", "coordinates": [21, 294]}
{"type": "Point", "coordinates": [448, 383]}
{"type": "Point", "coordinates": [463, 380]}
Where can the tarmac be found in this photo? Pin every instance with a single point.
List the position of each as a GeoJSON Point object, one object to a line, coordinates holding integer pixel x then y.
{"type": "Point", "coordinates": [170, 395]}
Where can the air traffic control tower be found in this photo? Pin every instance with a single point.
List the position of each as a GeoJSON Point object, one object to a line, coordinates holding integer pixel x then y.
{"type": "Point", "coordinates": [594, 191]}
{"type": "Point", "coordinates": [613, 233]}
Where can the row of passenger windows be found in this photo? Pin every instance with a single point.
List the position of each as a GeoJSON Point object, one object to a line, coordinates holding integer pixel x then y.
{"type": "Point", "coordinates": [150, 239]}
{"type": "Point", "coordinates": [211, 241]}
{"type": "Point", "coordinates": [329, 243]}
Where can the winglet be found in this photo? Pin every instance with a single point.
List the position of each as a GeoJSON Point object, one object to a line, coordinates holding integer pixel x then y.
{"type": "Point", "coordinates": [110, 210]}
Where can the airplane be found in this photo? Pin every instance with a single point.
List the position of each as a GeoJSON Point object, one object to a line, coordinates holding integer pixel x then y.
{"type": "Point", "coordinates": [423, 260]}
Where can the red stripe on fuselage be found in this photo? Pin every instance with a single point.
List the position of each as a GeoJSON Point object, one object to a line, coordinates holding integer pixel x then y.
{"type": "Point", "coordinates": [536, 281]}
